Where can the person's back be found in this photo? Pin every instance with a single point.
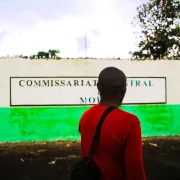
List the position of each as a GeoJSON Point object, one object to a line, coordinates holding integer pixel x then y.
{"type": "Point", "coordinates": [119, 151]}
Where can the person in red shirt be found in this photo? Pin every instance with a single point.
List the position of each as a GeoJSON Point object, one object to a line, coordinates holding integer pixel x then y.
{"type": "Point", "coordinates": [119, 151]}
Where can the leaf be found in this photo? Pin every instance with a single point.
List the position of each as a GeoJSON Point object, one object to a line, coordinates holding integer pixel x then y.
{"type": "Point", "coordinates": [22, 160]}
{"type": "Point", "coordinates": [41, 150]}
{"type": "Point", "coordinates": [152, 144]}
{"type": "Point", "coordinates": [52, 162]}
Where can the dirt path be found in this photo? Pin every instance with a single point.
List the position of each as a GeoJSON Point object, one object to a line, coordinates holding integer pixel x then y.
{"type": "Point", "coordinates": [52, 160]}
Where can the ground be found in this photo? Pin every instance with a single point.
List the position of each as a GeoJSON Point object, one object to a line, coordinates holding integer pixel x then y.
{"type": "Point", "coordinates": [52, 160]}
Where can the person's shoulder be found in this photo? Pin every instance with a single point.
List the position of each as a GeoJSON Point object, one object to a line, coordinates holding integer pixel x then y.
{"type": "Point", "coordinates": [88, 111]}
{"type": "Point", "coordinates": [129, 117]}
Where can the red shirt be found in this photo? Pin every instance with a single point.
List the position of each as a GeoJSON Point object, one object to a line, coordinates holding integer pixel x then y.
{"type": "Point", "coordinates": [119, 153]}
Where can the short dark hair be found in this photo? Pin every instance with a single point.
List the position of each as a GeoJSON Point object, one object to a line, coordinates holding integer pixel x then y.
{"type": "Point", "coordinates": [111, 81]}
{"type": "Point", "coordinates": [111, 91]}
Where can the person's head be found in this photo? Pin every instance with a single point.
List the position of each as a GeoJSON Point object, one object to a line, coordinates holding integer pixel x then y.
{"type": "Point", "coordinates": [112, 86]}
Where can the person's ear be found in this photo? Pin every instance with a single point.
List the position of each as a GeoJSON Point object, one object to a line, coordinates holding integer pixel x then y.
{"type": "Point", "coordinates": [124, 88]}
{"type": "Point", "coordinates": [98, 87]}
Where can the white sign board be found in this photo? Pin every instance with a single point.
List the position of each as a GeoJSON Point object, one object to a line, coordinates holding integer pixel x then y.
{"type": "Point", "coordinates": [63, 91]}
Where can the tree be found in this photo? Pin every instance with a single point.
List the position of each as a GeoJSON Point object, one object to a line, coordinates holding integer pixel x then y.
{"type": "Point", "coordinates": [159, 21]}
{"type": "Point", "coordinates": [53, 53]}
{"type": "Point", "coordinates": [42, 54]}
{"type": "Point", "coordinates": [33, 56]}
{"type": "Point", "coordinates": [25, 57]}
{"type": "Point", "coordinates": [45, 55]}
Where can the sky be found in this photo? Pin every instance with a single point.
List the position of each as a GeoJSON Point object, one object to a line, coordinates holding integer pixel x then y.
{"type": "Point", "coordinates": [29, 26]}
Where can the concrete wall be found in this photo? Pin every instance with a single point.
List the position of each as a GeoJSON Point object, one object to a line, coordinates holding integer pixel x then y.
{"type": "Point", "coordinates": [85, 67]}
{"type": "Point", "coordinates": [50, 123]}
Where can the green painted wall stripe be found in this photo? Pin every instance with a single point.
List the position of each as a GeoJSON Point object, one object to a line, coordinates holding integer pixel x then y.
{"type": "Point", "coordinates": [61, 123]}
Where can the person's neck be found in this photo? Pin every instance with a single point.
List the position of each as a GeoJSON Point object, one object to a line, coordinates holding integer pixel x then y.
{"type": "Point", "coordinates": [109, 103]}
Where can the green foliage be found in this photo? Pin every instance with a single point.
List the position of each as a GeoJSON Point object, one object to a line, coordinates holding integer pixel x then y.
{"type": "Point", "coordinates": [42, 55]}
{"type": "Point", "coordinates": [33, 57]}
{"type": "Point", "coordinates": [25, 57]}
{"type": "Point", "coordinates": [159, 21]}
{"type": "Point", "coordinates": [53, 53]}
{"type": "Point", "coordinates": [45, 55]}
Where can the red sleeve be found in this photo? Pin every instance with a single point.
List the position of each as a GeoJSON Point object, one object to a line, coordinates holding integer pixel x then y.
{"type": "Point", "coordinates": [80, 122]}
{"type": "Point", "coordinates": [84, 115]}
{"type": "Point", "coordinates": [133, 153]}
{"type": "Point", "coordinates": [79, 127]}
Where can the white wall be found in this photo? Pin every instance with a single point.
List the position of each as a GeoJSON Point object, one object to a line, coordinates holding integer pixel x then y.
{"type": "Point", "coordinates": [84, 67]}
